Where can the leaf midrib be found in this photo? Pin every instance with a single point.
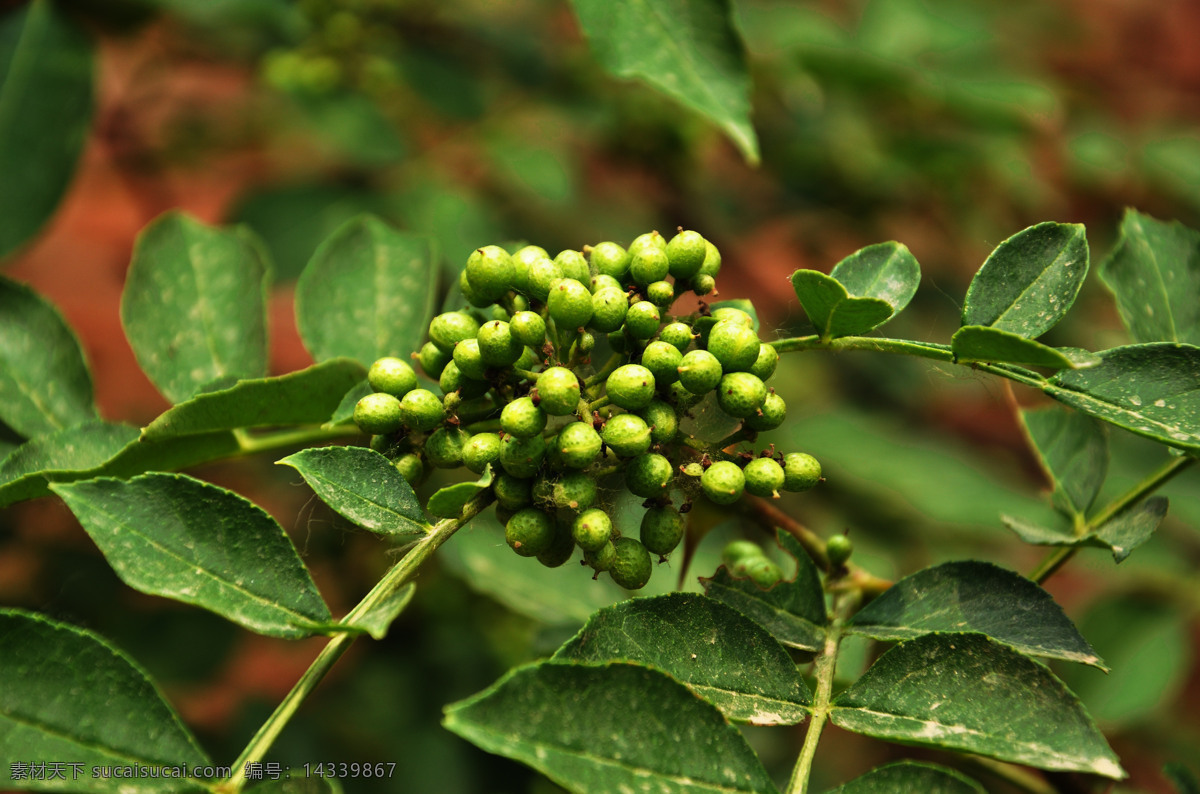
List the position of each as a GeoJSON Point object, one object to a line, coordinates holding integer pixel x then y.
{"type": "Point", "coordinates": [1035, 282]}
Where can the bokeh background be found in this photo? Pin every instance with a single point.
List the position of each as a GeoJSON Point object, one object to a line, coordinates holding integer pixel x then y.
{"type": "Point", "coordinates": [947, 125]}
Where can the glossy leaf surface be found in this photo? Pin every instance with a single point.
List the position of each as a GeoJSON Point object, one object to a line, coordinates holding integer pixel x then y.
{"type": "Point", "coordinates": [177, 537]}
{"type": "Point", "coordinates": [982, 343]}
{"type": "Point", "coordinates": [832, 310]}
{"type": "Point", "coordinates": [26, 470]}
{"type": "Point", "coordinates": [886, 271]}
{"type": "Point", "coordinates": [377, 621]}
{"type": "Point", "coordinates": [1073, 450]}
{"type": "Point", "coordinates": [1133, 527]}
{"type": "Point", "coordinates": [909, 777]}
{"type": "Point", "coordinates": [344, 413]}
{"type": "Point", "coordinates": [449, 502]}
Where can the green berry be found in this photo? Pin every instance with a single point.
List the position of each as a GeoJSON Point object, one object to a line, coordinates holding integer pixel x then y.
{"type": "Point", "coordinates": [540, 276]}
{"type": "Point", "coordinates": [631, 565]}
{"type": "Point", "coordinates": [530, 532]}
{"type": "Point", "coordinates": [627, 435]}
{"type": "Point", "coordinates": [838, 549]}
{"type": "Point", "coordinates": [585, 343]}
{"type": "Point", "coordinates": [648, 240]}
{"type": "Point", "coordinates": [558, 391]}
{"type": "Point", "coordinates": [699, 371]}
{"type": "Point", "coordinates": [529, 328]}
{"type": "Point", "coordinates": [764, 477]}
{"type": "Point", "coordinates": [575, 491]}
{"type": "Point", "coordinates": [480, 450]}
{"type": "Point", "coordinates": [578, 445]}
{"type": "Point", "coordinates": [447, 330]}
{"type": "Point", "coordinates": [703, 285]}
{"type": "Point", "coordinates": [763, 572]}
{"type": "Point", "coordinates": [712, 260]}
{"type": "Point", "coordinates": [662, 529]}
{"type": "Point", "coordinates": [433, 359]}
{"type": "Point", "coordinates": [630, 386]}
{"type": "Point", "coordinates": [732, 314]}
{"type": "Point", "coordinates": [522, 260]}
{"type": "Point", "coordinates": [453, 380]}
{"type": "Point", "coordinates": [522, 457]}
{"type": "Point", "coordinates": [764, 365]}
{"type": "Point", "coordinates": [570, 304]}
{"type": "Point", "coordinates": [422, 410]}
{"type": "Point", "coordinates": [609, 306]}
{"type": "Point", "coordinates": [609, 259]}
{"type": "Point", "coordinates": [723, 482]}
{"type": "Point", "coordinates": [592, 529]}
{"type": "Point", "coordinates": [618, 342]}
{"type": "Point", "coordinates": [561, 550]}
{"type": "Point", "coordinates": [737, 551]}
{"type": "Point", "coordinates": [601, 281]}
{"type": "Point", "coordinates": [490, 272]}
{"type": "Point", "coordinates": [444, 447]}
{"type": "Point", "coordinates": [602, 558]}
{"type": "Point", "coordinates": [410, 467]}
{"type": "Point", "coordinates": [801, 471]}
{"type": "Point", "coordinates": [521, 418]}
{"type": "Point", "coordinates": [573, 265]}
{"type": "Point", "coordinates": [378, 413]}
{"type": "Point", "coordinates": [663, 421]}
{"type": "Point", "coordinates": [528, 359]}
{"type": "Point", "coordinates": [663, 360]}
{"type": "Point", "coordinates": [512, 492]}
{"type": "Point", "coordinates": [392, 376]}
{"type": "Point", "coordinates": [469, 359]}
{"type": "Point", "coordinates": [741, 394]}
{"type": "Point", "coordinates": [686, 252]}
{"type": "Point", "coordinates": [471, 294]}
{"type": "Point", "coordinates": [734, 345]}
{"type": "Point", "coordinates": [681, 398]}
{"type": "Point", "coordinates": [498, 347]}
{"type": "Point", "coordinates": [642, 319]}
{"type": "Point", "coordinates": [661, 294]}
{"type": "Point", "coordinates": [648, 476]}
{"type": "Point", "coordinates": [770, 415]}
{"type": "Point", "coordinates": [543, 493]}
{"type": "Point", "coordinates": [647, 265]}
{"type": "Point", "coordinates": [678, 335]}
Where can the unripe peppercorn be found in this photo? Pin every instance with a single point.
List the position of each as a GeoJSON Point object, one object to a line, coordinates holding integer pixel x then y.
{"type": "Point", "coordinates": [592, 529]}
{"type": "Point", "coordinates": [801, 471]}
{"type": "Point", "coordinates": [663, 360]}
{"type": "Point", "coordinates": [642, 319]}
{"type": "Point", "coordinates": [601, 281]}
{"type": "Point", "coordinates": [647, 265]}
{"type": "Point", "coordinates": [448, 329]}
{"type": "Point", "coordinates": [764, 572]}
{"type": "Point", "coordinates": [558, 391]}
{"type": "Point", "coordinates": [433, 359]}
{"type": "Point", "coordinates": [471, 294]}
{"type": "Point", "coordinates": [610, 259]}
{"type": "Point", "coordinates": [723, 482]}
{"type": "Point", "coordinates": [530, 532]}
{"type": "Point", "coordinates": [469, 359]}
{"type": "Point", "coordinates": [648, 476]}
{"type": "Point", "coordinates": [838, 549]}
{"type": "Point", "coordinates": [627, 435]}
{"type": "Point", "coordinates": [578, 445]}
{"type": "Point", "coordinates": [738, 550]}
{"type": "Point", "coordinates": [630, 386]}
{"type": "Point", "coordinates": [663, 421]}
{"type": "Point", "coordinates": [602, 558]}
{"type": "Point", "coordinates": [378, 413]}
{"type": "Point", "coordinates": [529, 328]}
{"type": "Point", "coordinates": [686, 252]}
{"type": "Point", "coordinates": [573, 265]}
{"type": "Point", "coordinates": [574, 491]}
{"type": "Point", "coordinates": [541, 275]}
{"type": "Point", "coordinates": [661, 294]}
{"type": "Point", "coordinates": [410, 467]}
{"type": "Point", "coordinates": [678, 335]}
{"type": "Point", "coordinates": [703, 285]}
{"type": "Point", "coordinates": [764, 365]}
{"type": "Point", "coordinates": [522, 457]}
{"type": "Point", "coordinates": [732, 314]}
{"type": "Point", "coordinates": [521, 418]}
{"type": "Point", "coordinates": [392, 376]}
{"type": "Point", "coordinates": [609, 307]}
{"type": "Point", "coordinates": [498, 347]}
{"type": "Point", "coordinates": [490, 272]}
{"type": "Point", "coordinates": [631, 565]}
{"type": "Point", "coordinates": [699, 371]}
{"type": "Point", "coordinates": [734, 345]}
{"type": "Point", "coordinates": [712, 260]}
{"type": "Point", "coordinates": [764, 477]}
{"type": "Point", "coordinates": [422, 410]}
{"type": "Point", "coordinates": [561, 550]}
{"type": "Point", "coordinates": [650, 239]}
{"type": "Point", "coordinates": [453, 380]}
{"type": "Point", "coordinates": [770, 415]}
{"type": "Point", "coordinates": [570, 304]}
{"type": "Point", "coordinates": [741, 394]}
{"type": "Point", "coordinates": [480, 450]}
{"type": "Point", "coordinates": [661, 530]}
{"type": "Point", "coordinates": [444, 447]}
{"type": "Point", "coordinates": [522, 259]}
{"type": "Point", "coordinates": [512, 492]}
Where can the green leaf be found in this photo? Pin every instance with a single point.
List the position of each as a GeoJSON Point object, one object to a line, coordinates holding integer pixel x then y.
{"type": "Point", "coordinates": [298, 398]}
{"type": "Point", "coordinates": [366, 293]}
{"type": "Point", "coordinates": [68, 696]}
{"type": "Point", "coordinates": [906, 777]}
{"type": "Point", "coordinates": [975, 597]}
{"type": "Point", "coordinates": [1148, 643]}
{"type": "Point", "coordinates": [1073, 450]}
{"type": "Point", "coordinates": [1133, 527]}
{"type": "Point", "coordinates": [82, 447]}
{"type": "Point", "coordinates": [686, 49]}
{"type": "Point", "coordinates": [298, 785]}
{"type": "Point", "coordinates": [377, 621]}
{"type": "Point", "coordinates": [194, 305]}
{"type": "Point", "coordinates": [1035, 534]}
{"type": "Point", "coordinates": [982, 343]}
{"type": "Point", "coordinates": [450, 501]}
{"type": "Point", "coordinates": [966, 692]}
{"type": "Point", "coordinates": [178, 537]}
{"type": "Point", "coordinates": [887, 271]}
{"type": "Point", "coordinates": [44, 380]}
{"type": "Point", "coordinates": [831, 309]}
{"type": "Point", "coordinates": [1182, 778]}
{"type": "Point", "coordinates": [344, 413]}
{"type": "Point", "coordinates": [45, 112]}
{"type": "Point", "coordinates": [617, 727]}
{"type": "Point", "coordinates": [363, 486]}
{"type": "Point", "coordinates": [793, 611]}
{"type": "Point", "coordinates": [1030, 281]}
{"type": "Point", "coordinates": [705, 645]}
{"type": "Point", "coordinates": [1154, 274]}
{"type": "Point", "coordinates": [1151, 390]}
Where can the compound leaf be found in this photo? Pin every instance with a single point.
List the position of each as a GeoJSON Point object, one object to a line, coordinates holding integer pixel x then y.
{"type": "Point", "coordinates": [366, 293]}
{"type": "Point", "coordinates": [79, 448]}
{"type": "Point", "coordinates": [1151, 390]}
{"type": "Point", "coordinates": [177, 537]}
{"type": "Point", "coordinates": [1073, 450]}
{"type": "Point", "coordinates": [298, 398]}
{"type": "Point", "coordinates": [792, 610]}
{"type": "Point", "coordinates": [687, 49]}
{"type": "Point", "coordinates": [975, 597]}
{"type": "Point", "coordinates": [68, 696]}
{"type": "Point", "coordinates": [722, 656]}
{"type": "Point", "coordinates": [46, 65]}
{"type": "Point", "coordinates": [44, 380]}
{"type": "Point", "coordinates": [886, 271]}
{"type": "Point", "coordinates": [1030, 281]}
{"type": "Point", "coordinates": [1154, 274]}
{"type": "Point", "coordinates": [983, 343]}
{"type": "Point", "coordinates": [612, 727]}
{"type": "Point", "coordinates": [194, 305]}
{"type": "Point", "coordinates": [363, 486]}
{"type": "Point", "coordinates": [832, 310]}
{"type": "Point", "coordinates": [966, 692]}
{"type": "Point", "coordinates": [905, 777]}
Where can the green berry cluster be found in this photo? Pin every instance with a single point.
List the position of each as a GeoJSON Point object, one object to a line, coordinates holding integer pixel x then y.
{"type": "Point", "coordinates": [568, 372]}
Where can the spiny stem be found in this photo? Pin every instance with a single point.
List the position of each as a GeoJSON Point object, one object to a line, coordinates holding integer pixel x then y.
{"type": "Point", "coordinates": [396, 577]}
